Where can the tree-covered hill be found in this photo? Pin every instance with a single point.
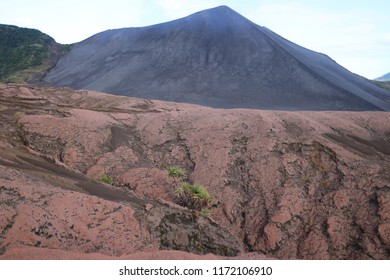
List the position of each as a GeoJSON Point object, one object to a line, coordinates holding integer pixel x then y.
{"type": "Point", "coordinates": [27, 54]}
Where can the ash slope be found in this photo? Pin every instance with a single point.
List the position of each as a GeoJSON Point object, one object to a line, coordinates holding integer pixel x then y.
{"type": "Point", "coordinates": [290, 185]}
{"type": "Point", "coordinates": [215, 58]}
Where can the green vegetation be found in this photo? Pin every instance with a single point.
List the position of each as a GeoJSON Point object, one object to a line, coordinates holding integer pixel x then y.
{"type": "Point", "coordinates": [194, 196]}
{"type": "Point", "coordinates": [26, 53]}
{"type": "Point", "coordinates": [106, 179]}
{"type": "Point", "coordinates": [205, 212]}
{"type": "Point", "coordinates": [176, 172]}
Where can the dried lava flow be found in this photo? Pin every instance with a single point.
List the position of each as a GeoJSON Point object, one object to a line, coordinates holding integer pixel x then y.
{"type": "Point", "coordinates": [289, 185]}
{"type": "Point", "coordinates": [43, 169]}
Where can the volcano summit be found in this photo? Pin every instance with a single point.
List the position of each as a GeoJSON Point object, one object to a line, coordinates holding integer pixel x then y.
{"type": "Point", "coordinates": [216, 58]}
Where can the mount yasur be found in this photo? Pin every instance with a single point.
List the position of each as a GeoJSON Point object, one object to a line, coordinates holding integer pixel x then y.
{"type": "Point", "coordinates": [216, 58]}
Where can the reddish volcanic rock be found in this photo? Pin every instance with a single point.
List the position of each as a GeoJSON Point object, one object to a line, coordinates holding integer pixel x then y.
{"type": "Point", "coordinates": [307, 185]}
{"type": "Point", "coordinates": [384, 232]}
{"type": "Point", "coordinates": [315, 246]}
{"type": "Point", "coordinates": [39, 215]}
{"type": "Point", "coordinates": [384, 205]}
{"type": "Point", "coordinates": [151, 183]}
{"type": "Point", "coordinates": [54, 254]}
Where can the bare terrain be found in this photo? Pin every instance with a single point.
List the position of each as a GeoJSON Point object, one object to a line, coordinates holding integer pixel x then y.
{"type": "Point", "coordinates": [288, 185]}
{"type": "Point", "coordinates": [215, 58]}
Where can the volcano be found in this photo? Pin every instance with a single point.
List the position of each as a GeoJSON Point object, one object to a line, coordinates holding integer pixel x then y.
{"type": "Point", "coordinates": [216, 58]}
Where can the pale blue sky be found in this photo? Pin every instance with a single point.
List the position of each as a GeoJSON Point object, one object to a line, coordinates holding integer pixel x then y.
{"type": "Point", "coordinates": [354, 33]}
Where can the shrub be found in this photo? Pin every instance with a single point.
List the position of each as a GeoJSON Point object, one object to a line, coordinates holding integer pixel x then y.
{"type": "Point", "coordinates": [106, 179]}
{"type": "Point", "coordinates": [176, 172]}
{"type": "Point", "coordinates": [194, 196]}
{"type": "Point", "coordinates": [205, 212]}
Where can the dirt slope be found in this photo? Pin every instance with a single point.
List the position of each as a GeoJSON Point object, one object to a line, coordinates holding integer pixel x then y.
{"type": "Point", "coordinates": [306, 185]}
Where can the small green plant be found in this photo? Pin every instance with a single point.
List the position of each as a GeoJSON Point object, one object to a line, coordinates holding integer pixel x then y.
{"type": "Point", "coordinates": [205, 212]}
{"type": "Point", "coordinates": [193, 196]}
{"type": "Point", "coordinates": [106, 179]}
{"type": "Point", "coordinates": [176, 172]}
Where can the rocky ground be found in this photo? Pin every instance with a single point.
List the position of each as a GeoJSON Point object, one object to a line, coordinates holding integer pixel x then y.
{"type": "Point", "coordinates": [288, 185]}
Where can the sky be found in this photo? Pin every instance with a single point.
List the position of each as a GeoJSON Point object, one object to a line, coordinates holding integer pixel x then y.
{"type": "Point", "coordinates": [354, 33]}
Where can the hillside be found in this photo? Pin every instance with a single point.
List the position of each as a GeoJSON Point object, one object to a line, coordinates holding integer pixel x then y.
{"type": "Point", "coordinates": [384, 78]}
{"type": "Point", "coordinates": [383, 81]}
{"type": "Point", "coordinates": [216, 58]}
{"type": "Point", "coordinates": [384, 85]}
{"type": "Point", "coordinates": [288, 185]}
{"type": "Point", "coordinates": [27, 54]}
